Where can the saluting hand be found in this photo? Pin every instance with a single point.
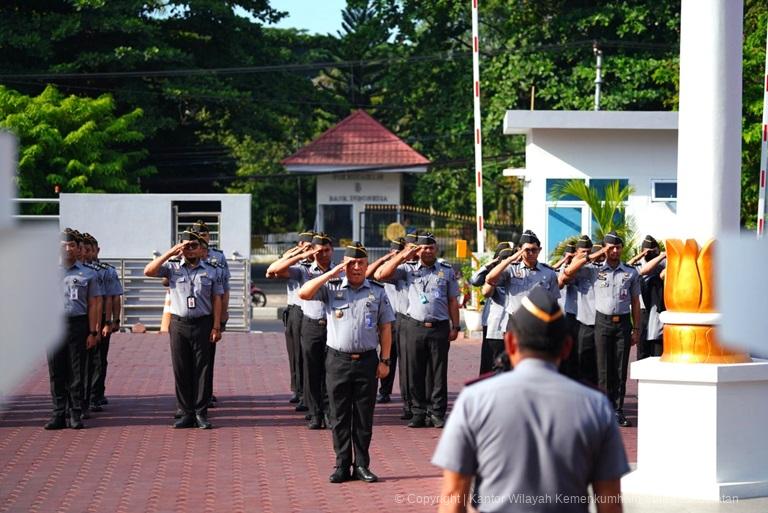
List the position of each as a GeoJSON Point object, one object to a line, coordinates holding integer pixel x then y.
{"type": "Point", "coordinates": [336, 271]}
{"type": "Point", "coordinates": [382, 371]}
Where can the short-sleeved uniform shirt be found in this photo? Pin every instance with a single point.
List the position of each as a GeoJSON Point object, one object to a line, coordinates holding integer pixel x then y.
{"type": "Point", "coordinates": [532, 433]}
{"type": "Point", "coordinates": [112, 285]}
{"type": "Point", "coordinates": [78, 284]}
{"type": "Point", "coordinates": [497, 314]}
{"type": "Point", "coordinates": [293, 285]}
{"type": "Point", "coordinates": [354, 314]}
{"type": "Point", "coordinates": [570, 297]}
{"type": "Point", "coordinates": [201, 282]}
{"type": "Point", "coordinates": [312, 308]}
{"type": "Point", "coordinates": [585, 296]}
{"type": "Point", "coordinates": [429, 289]}
{"type": "Point", "coordinates": [398, 296]}
{"type": "Point", "coordinates": [614, 287]}
{"type": "Point", "coordinates": [518, 279]}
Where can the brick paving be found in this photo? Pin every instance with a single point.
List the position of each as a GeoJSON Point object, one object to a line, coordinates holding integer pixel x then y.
{"type": "Point", "coordinates": [259, 457]}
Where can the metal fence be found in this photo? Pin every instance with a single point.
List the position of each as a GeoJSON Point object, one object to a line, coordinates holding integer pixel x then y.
{"type": "Point", "coordinates": [144, 298]}
{"type": "Point", "coordinates": [379, 223]}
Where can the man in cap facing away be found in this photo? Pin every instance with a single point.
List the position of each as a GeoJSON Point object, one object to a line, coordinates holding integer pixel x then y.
{"type": "Point", "coordinates": [532, 433]}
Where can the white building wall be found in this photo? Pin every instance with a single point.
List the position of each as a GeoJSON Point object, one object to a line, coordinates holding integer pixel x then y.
{"type": "Point", "coordinates": [135, 225]}
{"type": "Point", "coordinates": [357, 189]}
{"type": "Point", "coordinates": [637, 155]}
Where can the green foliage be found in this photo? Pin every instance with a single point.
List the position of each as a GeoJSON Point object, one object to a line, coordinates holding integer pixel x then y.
{"type": "Point", "coordinates": [609, 213]}
{"type": "Point", "coordinates": [74, 142]}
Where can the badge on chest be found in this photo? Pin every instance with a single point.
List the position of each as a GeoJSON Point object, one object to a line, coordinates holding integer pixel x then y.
{"type": "Point", "coordinates": [191, 302]}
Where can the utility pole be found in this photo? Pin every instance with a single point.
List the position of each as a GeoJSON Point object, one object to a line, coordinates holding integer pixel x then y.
{"type": "Point", "coordinates": [599, 73]}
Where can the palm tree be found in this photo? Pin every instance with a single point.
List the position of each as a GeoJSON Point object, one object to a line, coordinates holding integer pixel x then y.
{"type": "Point", "coordinates": [609, 213]}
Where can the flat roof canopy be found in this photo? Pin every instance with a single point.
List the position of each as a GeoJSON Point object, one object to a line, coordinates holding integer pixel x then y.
{"type": "Point", "coordinates": [523, 121]}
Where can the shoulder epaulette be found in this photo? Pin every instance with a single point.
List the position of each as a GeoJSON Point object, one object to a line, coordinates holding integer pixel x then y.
{"type": "Point", "coordinates": [547, 266]}
{"type": "Point", "coordinates": [107, 264]}
{"type": "Point", "coordinates": [334, 280]}
{"type": "Point", "coordinates": [175, 260]}
{"type": "Point", "coordinates": [446, 264]}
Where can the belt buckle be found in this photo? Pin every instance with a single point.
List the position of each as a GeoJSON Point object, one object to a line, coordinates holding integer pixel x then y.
{"type": "Point", "coordinates": [616, 319]}
{"type": "Point", "coordinates": [355, 356]}
{"type": "Point", "coordinates": [428, 324]}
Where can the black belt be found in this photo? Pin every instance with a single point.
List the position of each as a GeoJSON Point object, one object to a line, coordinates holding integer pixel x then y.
{"type": "Point", "coordinates": [614, 318]}
{"type": "Point", "coordinates": [190, 319]}
{"type": "Point", "coordinates": [427, 324]}
{"type": "Point", "coordinates": [351, 356]}
{"type": "Point", "coordinates": [294, 306]}
{"type": "Point", "coordinates": [319, 322]}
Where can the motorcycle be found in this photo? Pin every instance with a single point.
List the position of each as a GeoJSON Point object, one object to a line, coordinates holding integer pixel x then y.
{"type": "Point", "coordinates": [258, 297]}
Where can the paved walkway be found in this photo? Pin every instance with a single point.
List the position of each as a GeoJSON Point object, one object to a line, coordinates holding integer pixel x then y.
{"type": "Point", "coordinates": [259, 457]}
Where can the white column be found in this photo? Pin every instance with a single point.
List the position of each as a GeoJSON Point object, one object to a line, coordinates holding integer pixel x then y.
{"type": "Point", "coordinates": [709, 141]}
{"type": "Point", "coordinates": [7, 189]}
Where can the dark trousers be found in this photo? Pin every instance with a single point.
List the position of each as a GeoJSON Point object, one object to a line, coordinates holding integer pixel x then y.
{"type": "Point", "coordinates": [386, 384]}
{"type": "Point", "coordinates": [646, 348]}
{"type": "Point", "coordinates": [292, 321]}
{"type": "Point", "coordinates": [313, 348]}
{"type": "Point", "coordinates": [98, 382]}
{"type": "Point", "coordinates": [570, 366]}
{"type": "Point", "coordinates": [65, 367]}
{"type": "Point", "coordinates": [191, 357]}
{"type": "Point", "coordinates": [351, 383]}
{"type": "Point", "coordinates": [490, 349]}
{"type": "Point", "coordinates": [612, 343]}
{"type": "Point", "coordinates": [402, 342]}
{"type": "Point", "coordinates": [427, 352]}
{"type": "Point", "coordinates": [586, 354]}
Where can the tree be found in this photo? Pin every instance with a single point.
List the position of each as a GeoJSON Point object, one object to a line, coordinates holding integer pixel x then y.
{"type": "Point", "coordinates": [76, 143]}
{"type": "Point", "coordinates": [608, 210]}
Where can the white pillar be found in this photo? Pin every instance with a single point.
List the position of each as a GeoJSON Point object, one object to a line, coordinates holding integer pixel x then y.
{"type": "Point", "coordinates": [7, 189]}
{"type": "Point", "coordinates": [709, 140]}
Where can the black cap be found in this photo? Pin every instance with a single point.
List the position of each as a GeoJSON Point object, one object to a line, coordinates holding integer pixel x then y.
{"type": "Point", "coordinates": [569, 248]}
{"type": "Point", "coordinates": [425, 239]}
{"type": "Point", "coordinates": [539, 323]}
{"type": "Point", "coordinates": [529, 237]}
{"type": "Point", "coordinates": [501, 246]}
{"type": "Point", "coordinates": [193, 236]}
{"type": "Point", "coordinates": [322, 239]}
{"type": "Point", "coordinates": [612, 238]}
{"type": "Point", "coordinates": [356, 250]}
{"type": "Point", "coordinates": [306, 236]}
{"type": "Point", "coordinates": [412, 237]}
{"type": "Point", "coordinates": [505, 253]}
{"type": "Point", "coordinates": [200, 227]}
{"type": "Point", "coordinates": [398, 244]}
{"type": "Point", "coordinates": [584, 242]}
{"type": "Point", "coordinates": [596, 248]}
{"type": "Point", "coordinates": [650, 243]}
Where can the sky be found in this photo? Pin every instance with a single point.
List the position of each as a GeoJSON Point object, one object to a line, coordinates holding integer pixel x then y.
{"type": "Point", "coordinates": [315, 16]}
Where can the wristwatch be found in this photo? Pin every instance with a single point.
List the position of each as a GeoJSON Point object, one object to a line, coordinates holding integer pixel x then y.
{"type": "Point", "coordinates": [385, 361]}
{"type": "Point", "coordinates": [93, 333]}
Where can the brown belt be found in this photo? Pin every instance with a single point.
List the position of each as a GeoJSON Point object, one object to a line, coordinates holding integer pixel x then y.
{"type": "Point", "coordinates": [427, 324]}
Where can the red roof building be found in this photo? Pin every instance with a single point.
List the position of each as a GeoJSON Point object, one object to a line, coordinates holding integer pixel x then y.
{"type": "Point", "coordinates": [357, 141]}
{"type": "Point", "coordinates": [360, 162]}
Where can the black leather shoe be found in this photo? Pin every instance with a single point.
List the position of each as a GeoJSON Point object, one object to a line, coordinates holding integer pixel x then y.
{"type": "Point", "coordinates": [363, 474]}
{"type": "Point", "coordinates": [406, 415]}
{"type": "Point", "coordinates": [179, 414]}
{"type": "Point", "coordinates": [214, 398]}
{"type": "Point", "coordinates": [294, 398]}
{"type": "Point", "coordinates": [56, 422]}
{"type": "Point", "coordinates": [417, 421]}
{"type": "Point", "coordinates": [383, 399]}
{"type": "Point", "coordinates": [74, 420]}
{"type": "Point", "coordinates": [103, 401]}
{"type": "Point", "coordinates": [301, 407]}
{"type": "Point", "coordinates": [186, 421]}
{"type": "Point", "coordinates": [211, 404]}
{"type": "Point", "coordinates": [622, 420]}
{"type": "Point", "coordinates": [308, 416]}
{"type": "Point", "coordinates": [315, 423]}
{"type": "Point", "coordinates": [202, 421]}
{"type": "Point", "coordinates": [327, 421]}
{"type": "Point", "coordinates": [95, 407]}
{"type": "Point", "coordinates": [340, 474]}
{"type": "Point", "coordinates": [437, 422]}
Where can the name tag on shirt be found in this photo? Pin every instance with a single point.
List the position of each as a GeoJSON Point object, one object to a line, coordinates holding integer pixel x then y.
{"type": "Point", "coordinates": [73, 293]}
{"type": "Point", "coordinates": [191, 303]}
{"type": "Point", "coordinates": [368, 320]}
